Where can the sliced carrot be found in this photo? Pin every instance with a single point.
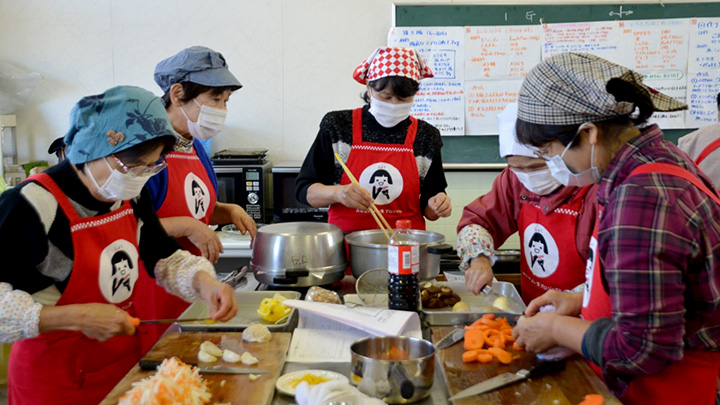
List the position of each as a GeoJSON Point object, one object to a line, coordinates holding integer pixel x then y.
{"type": "Point", "coordinates": [484, 357]}
{"type": "Point", "coordinates": [508, 338]}
{"type": "Point", "coordinates": [502, 355]}
{"type": "Point", "coordinates": [516, 357]}
{"type": "Point", "coordinates": [470, 356]}
{"type": "Point", "coordinates": [474, 339]}
{"type": "Point", "coordinates": [593, 399]}
{"type": "Point", "coordinates": [490, 316]}
{"type": "Point", "coordinates": [517, 347]}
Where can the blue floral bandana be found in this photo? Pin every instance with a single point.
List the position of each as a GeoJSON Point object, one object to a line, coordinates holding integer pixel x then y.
{"type": "Point", "coordinates": [113, 121]}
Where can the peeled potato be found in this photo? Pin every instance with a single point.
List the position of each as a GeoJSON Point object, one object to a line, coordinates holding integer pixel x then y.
{"type": "Point", "coordinates": [230, 356]}
{"type": "Point", "coordinates": [461, 307]}
{"type": "Point", "coordinates": [249, 359]}
{"type": "Point", "coordinates": [210, 348]}
{"type": "Point", "coordinates": [205, 357]}
{"type": "Point", "coordinates": [257, 333]}
{"type": "Point", "coordinates": [501, 303]}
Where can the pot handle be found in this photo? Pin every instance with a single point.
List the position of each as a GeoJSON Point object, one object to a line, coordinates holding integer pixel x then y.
{"type": "Point", "coordinates": [400, 376]}
{"type": "Point", "coordinates": [439, 249]}
{"type": "Point", "coordinates": [290, 277]}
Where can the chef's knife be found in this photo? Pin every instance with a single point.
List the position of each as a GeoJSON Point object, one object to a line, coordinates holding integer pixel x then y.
{"type": "Point", "coordinates": [539, 369]}
{"type": "Point", "coordinates": [451, 338]}
{"type": "Point", "coordinates": [146, 364]}
{"type": "Point", "coordinates": [136, 321]}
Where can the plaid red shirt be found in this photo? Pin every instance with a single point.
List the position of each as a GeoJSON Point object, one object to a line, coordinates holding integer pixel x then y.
{"type": "Point", "coordinates": [659, 242]}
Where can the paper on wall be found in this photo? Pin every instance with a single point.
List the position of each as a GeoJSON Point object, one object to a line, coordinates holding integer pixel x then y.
{"type": "Point", "coordinates": [439, 100]}
{"type": "Point", "coordinates": [485, 100]}
{"type": "Point", "coordinates": [501, 52]}
{"type": "Point", "coordinates": [703, 72]}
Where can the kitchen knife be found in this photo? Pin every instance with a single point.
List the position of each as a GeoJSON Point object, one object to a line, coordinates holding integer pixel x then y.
{"type": "Point", "coordinates": [136, 321]}
{"type": "Point", "coordinates": [451, 338]}
{"type": "Point", "coordinates": [539, 369]}
{"type": "Point", "coordinates": [152, 365]}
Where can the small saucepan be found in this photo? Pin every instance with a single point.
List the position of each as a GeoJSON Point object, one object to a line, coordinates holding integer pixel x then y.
{"type": "Point", "coordinates": [396, 369]}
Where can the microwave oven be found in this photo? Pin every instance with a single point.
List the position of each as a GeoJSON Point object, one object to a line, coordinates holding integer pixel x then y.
{"type": "Point", "coordinates": [286, 208]}
{"type": "Point", "coordinates": [245, 182]}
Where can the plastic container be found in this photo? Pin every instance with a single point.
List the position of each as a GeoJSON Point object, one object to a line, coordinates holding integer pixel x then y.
{"type": "Point", "coordinates": [403, 268]}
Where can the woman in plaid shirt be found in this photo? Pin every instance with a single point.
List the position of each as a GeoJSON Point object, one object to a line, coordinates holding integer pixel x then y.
{"type": "Point", "coordinates": [650, 320]}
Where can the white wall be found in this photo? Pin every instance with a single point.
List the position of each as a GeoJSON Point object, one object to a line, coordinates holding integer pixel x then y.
{"type": "Point", "coordinates": [295, 58]}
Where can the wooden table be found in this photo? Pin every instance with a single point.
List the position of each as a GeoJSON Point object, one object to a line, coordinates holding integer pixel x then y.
{"type": "Point", "coordinates": [567, 387]}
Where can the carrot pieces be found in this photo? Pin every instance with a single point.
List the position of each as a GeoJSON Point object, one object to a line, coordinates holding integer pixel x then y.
{"type": "Point", "coordinates": [474, 339]}
{"type": "Point", "coordinates": [484, 357]}
{"type": "Point", "coordinates": [593, 399]}
{"type": "Point", "coordinates": [470, 356]}
{"type": "Point", "coordinates": [494, 334]}
{"type": "Point", "coordinates": [502, 355]}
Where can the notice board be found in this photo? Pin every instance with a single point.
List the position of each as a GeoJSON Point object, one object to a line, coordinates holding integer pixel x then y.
{"type": "Point", "coordinates": [454, 19]}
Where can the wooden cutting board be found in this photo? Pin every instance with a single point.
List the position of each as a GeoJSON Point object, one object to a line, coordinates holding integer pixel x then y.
{"type": "Point", "coordinates": [237, 389]}
{"type": "Point", "coordinates": [567, 387]}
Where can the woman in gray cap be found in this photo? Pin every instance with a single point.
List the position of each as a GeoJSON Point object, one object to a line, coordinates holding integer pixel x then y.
{"type": "Point", "coordinates": [650, 310]}
{"type": "Point", "coordinates": [197, 85]}
{"type": "Point", "coordinates": [77, 233]}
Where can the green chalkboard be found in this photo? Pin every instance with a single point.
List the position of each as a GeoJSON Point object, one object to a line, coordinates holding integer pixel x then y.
{"type": "Point", "coordinates": [484, 149]}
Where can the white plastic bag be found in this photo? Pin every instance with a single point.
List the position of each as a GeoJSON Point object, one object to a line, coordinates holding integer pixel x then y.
{"type": "Point", "coordinates": [16, 85]}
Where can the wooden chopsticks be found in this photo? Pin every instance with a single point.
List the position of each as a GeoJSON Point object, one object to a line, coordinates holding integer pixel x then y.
{"type": "Point", "coordinates": [374, 211]}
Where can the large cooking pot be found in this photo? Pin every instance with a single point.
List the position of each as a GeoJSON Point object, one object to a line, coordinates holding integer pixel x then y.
{"type": "Point", "coordinates": [396, 369]}
{"type": "Point", "coordinates": [368, 250]}
{"type": "Point", "coordinates": [298, 254]}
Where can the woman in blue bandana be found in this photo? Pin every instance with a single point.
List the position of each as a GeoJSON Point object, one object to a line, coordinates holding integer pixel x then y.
{"type": "Point", "coordinates": [78, 232]}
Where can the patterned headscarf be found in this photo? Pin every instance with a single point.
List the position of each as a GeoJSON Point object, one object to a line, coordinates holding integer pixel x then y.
{"type": "Point", "coordinates": [113, 121]}
{"type": "Point", "coordinates": [570, 88]}
{"type": "Point", "coordinates": [404, 62]}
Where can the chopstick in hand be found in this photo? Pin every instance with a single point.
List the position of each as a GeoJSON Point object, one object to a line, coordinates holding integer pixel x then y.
{"type": "Point", "coordinates": [374, 211]}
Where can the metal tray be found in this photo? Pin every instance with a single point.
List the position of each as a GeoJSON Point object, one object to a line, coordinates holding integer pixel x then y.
{"type": "Point", "coordinates": [479, 304]}
{"type": "Point", "coordinates": [248, 303]}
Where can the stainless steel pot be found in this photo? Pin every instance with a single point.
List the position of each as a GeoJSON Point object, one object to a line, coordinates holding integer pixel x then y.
{"type": "Point", "coordinates": [396, 369]}
{"type": "Point", "coordinates": [298, 254]}
{"type": "Point", "coordinates": [368, 250]}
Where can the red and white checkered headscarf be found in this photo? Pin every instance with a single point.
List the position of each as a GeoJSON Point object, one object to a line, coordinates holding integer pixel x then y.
{"type": "Point", "coordinates": [404, 62]}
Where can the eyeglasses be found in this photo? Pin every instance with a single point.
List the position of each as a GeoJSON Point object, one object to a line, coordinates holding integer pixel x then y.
{"type": "Point", "coordinates": [143, 170]}
{"type": "Point", "coordinates": [542, 153]}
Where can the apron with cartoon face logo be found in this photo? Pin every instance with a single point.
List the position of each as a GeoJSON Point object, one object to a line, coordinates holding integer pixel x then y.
{"type": "Point", "coordinates": [189, 194]}
{"type": "Point", "coordinates": [693, 379]}
{"type": "Point", "coordinates": [67, 367]}
{"type": "Point", "coordinates": [389, 172]}
{"type": "Point", "coordinates": [550, 257]}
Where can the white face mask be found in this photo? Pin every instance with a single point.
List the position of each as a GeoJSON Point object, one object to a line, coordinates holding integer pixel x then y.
{"type": "Point", "coordinates": [389, 114]}
{"type": "Point", "coordinates": [540, 182]}
{"type": "Point", "coordinates": [119, 186]}
{"type": "Point", "coordinates": [210, 122]}
{"type": "Point", "coordinates": [560, 171]}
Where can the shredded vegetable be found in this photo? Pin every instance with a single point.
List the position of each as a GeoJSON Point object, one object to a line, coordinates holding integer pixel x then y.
{"type": "Point", "coordinates": [310, 378]}
{"type": "Point", "coordinates": [174, 383]}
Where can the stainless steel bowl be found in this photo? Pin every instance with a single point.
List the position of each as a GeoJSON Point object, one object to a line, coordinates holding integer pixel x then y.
{"type": "Point", "coordinates": [299, 254]}
{"type": "Point", "coordinates": [405, 379]}
{"type": "Point", "coordinates": [368, 250]}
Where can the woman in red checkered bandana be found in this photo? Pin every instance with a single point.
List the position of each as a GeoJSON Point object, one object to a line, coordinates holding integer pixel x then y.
{"type": "Point", "coordinates": [380, 137]}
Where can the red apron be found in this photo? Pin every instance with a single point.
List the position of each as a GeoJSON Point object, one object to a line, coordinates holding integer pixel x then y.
{"type": "Point", "coordinates": [708, 150]}
{"type": "Point", "coordinates": [67, 367]}
{"type": "Point", "coordinates": [551, 259]}
{"type": "Point", "coordinates": [692, 380]}
{"type": "Point", "coordinates": [189, 194]}
{"type": "Point", "coordinates": [389, 172]}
